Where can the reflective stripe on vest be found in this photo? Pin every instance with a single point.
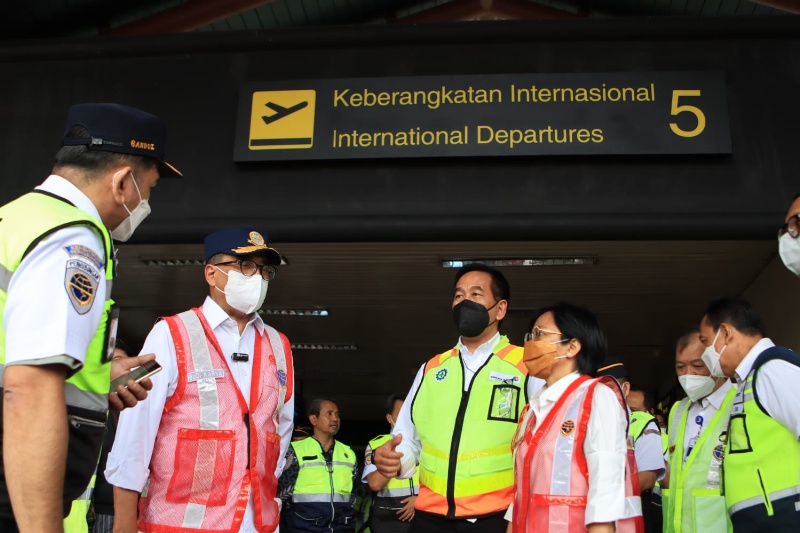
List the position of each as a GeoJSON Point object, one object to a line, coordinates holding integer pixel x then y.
{"type": "Point", "coordinates": [396, 487]}
{"type": "Point", "coordinates": [762, 456]}
{"type": "Point", "coordinates": [552, 480]}
{"type": "Point", "coordinates": [466, 468]}
{"type": "Point", "coordinates": [694, 483]}
{"type": "Point", "coordinates": [317, 482]}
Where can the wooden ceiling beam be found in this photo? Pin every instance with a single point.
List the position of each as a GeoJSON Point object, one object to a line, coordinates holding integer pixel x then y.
{"type": "Point", "coordinates": [186, 17]}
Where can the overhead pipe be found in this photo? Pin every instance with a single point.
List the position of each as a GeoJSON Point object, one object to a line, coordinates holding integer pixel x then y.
{"type": "Point", "coordinates": [790, 6]}
{"type": "Point", "coordinates": [186, 17]}
{"type": "Point", "coordinates": [468, 10]}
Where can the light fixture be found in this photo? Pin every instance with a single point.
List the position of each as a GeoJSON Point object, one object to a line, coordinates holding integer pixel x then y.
{"type": "Point", "coordinates": [523, 262]}
{"type": "Point", "coordinates": [293, 312]}
{"type": "Point", "coordinates": [332, 347]}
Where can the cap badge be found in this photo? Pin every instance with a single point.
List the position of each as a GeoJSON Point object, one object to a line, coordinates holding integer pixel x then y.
{"type": "Point", "coordinates": [256, 238]}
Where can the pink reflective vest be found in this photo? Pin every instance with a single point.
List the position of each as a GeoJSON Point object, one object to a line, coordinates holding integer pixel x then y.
{"type": "Point", "coordinates": [211, 451]}
{"type": "Point", "coordinates": [552, 478]}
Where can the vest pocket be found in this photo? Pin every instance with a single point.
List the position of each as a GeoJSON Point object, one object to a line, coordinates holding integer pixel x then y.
{"type": "Point", "coordinates": [504, 403]}
{"type": "Point", "coordinates": [739, 438]}
{"type": "Point", "coordinates": [86, 431]}
{"type": "Point", "coordinates": [203, 467]}
{"type": "Point", "coordinates": [709, 512]}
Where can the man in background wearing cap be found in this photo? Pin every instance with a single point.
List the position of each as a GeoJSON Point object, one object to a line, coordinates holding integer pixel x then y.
{"type": "Point", "coordinates": [207, 448]}
{"type": "Point", "coordinates": [56, 270]}
{"type": "Point", "coordinates": [647, 446]}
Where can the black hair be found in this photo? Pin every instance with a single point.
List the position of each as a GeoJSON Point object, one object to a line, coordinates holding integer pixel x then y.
{"type": "Point", "coordinates": [95, 162]}
{"type": "Point", "coordinates": [685, 339]}
{"type": "Point", "coordinates": [581, 324]}
{"type": "Point", "coordinates": [316, 404]}
{"type": "Point", "coordinates": [500, 287]}
{"type": "Point", "coordinates": [738, 313]}
{"type": "Point", "coordinates": [649, 397]}
{"type": "Point", "coordinates": [392, 399]}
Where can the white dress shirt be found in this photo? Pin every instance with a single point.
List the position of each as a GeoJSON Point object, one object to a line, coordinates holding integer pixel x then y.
{"type": "Point", "coordinates": [129, 461]}
{"type": "Point", "coordinates": [706, 408]}
{"type": "Point", "coordinates": [649, 450]}
{"type": "Point", "coordinates": [37, 294]}
{"type": "Point", "coordinates": [411, 446]}
{"type": "Point", "coordinates": [605, 448]}
{"type": "Point", "coordinates": [777, 386]}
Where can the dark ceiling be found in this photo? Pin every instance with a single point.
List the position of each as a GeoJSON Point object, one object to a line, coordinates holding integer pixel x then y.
{"type": "Point", "coordinates": [87, 18]}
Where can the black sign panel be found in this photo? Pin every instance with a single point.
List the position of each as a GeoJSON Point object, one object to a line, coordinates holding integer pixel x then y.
{"type": "Point", "coordinates": [493, 115]}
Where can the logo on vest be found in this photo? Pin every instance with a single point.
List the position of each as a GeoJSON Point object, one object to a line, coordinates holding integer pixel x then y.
{"type": "Point", "coordinates": [441, 374]}
{"type": "Point", "coordinates": [205, 374]}
{"type": "Point", "coordinates": [282, 378]}
{"type": "Point", "coordinates": [80, 281]}
{"type": "Point", "coordinates": [719, 453]}
{"type": "Point", "coordinates": [567, 428]}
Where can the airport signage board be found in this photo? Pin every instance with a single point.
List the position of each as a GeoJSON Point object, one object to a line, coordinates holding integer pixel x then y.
{"type": "Point", "coordinates": [619, 113]}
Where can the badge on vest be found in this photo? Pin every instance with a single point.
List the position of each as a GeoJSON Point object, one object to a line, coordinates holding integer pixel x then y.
{"type": "Point", "coordinates": [80, 281]}
{"type": "Point", "coordinates": [205, 374]}
{"type": "Point", "coordinates": [504, 403]}
{"type": "Point", "coordinates": [567, 428]}
{"type": "Point", "coordinates": [441, 374]}
{"type": "Point", "coordinates": [504, 378]}
{"type": "Point", "coordinates": [282, 378]}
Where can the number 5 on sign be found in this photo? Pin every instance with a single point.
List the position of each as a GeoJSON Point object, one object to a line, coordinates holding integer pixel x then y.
{"type": "Point", "coordinates": [678, 109]}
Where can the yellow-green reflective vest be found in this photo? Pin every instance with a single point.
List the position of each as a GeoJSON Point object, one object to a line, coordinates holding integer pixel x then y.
{"type": "Point", "coordinates": [466, 466]}
{"type": "Point", "coordinates": [694, 502]}
{"type": "Point", "coordinates": [639, 421]}
{"type": "Point", "coordinates": [24, 223]}
{"type": "Point", "coordinates": [76, 521]}
{"type": "Point", "coordinates": [762, 457]}
{"type": "Point", "coordinates": [396, 488]}
{"type": "Point", "coordinates": [318, 481]}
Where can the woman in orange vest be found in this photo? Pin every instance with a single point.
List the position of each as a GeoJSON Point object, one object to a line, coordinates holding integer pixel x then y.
{"type": "Point", "coordinates": [572, 465]}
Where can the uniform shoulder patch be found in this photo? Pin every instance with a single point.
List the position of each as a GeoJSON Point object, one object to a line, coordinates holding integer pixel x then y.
{"type": "Point", "coordinates": [81, 280]}
{"type": "Point", "coordinates": [79, 250]}
{"type": "Point", "coordinates": [652, 432]}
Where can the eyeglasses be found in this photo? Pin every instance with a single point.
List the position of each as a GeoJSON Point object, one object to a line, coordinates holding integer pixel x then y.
{"type": "Point", "coordinates": [538, 333]}
{"type": "Point", "coordinates": [792, 227]}
{"type": "Point", "coordinates": [249, 268]}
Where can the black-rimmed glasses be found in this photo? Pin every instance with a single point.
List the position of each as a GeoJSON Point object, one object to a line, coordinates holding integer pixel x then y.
{"type": "Point", "coordinates": [249, 268]}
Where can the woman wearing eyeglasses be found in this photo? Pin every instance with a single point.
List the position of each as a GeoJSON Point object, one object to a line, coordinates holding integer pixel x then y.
{"type": "Point", "coordinates": [572, 470]}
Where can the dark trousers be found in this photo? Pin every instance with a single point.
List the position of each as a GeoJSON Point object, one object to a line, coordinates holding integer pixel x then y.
{"type": "Point", "coordinates": [433, 523]}
{"type": "Point", "coordinates": [652, 512]}
{"type": "Point", "coordinates": [785, 518]}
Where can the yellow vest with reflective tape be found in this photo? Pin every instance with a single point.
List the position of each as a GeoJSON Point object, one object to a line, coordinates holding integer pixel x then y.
{"type": "Point", "coordinates": [318, 482]}
{"type": "Point", "coordinates": [466, 466]}
{"type": "Point", "coordinates": [694, 501]}
{"type": "Point", "coordinates": [762, 457]}
{"type": "Point", "coordinates": [396, 487]}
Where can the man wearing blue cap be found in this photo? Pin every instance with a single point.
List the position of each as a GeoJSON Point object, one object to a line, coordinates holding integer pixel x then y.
{"type": "Point", "coordinates": [206, 450]}
{"type": "Point", "coordinates": [59, 322]}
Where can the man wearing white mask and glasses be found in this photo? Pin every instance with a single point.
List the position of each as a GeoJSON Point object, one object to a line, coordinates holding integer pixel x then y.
{"type": "Point", "coordinates": [761, 468]}
{"type": "Point", "coordinates": [207, 449]}
{"type": "Point", "coordinates": [692, 497]}
{"type": "Point", "coordinates": [788, 241]}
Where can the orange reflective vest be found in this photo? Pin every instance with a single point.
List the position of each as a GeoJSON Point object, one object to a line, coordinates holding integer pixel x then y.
{"type": "Point", "coordinates": [552, 477]}
{"type": "Point", "coordinates": [465, 466]}
{"type": "Point", "coordinates": [212, 451]}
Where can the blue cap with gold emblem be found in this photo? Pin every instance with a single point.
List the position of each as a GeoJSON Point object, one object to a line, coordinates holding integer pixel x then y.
{"type": "Point", "coordinates": [611, 366]}
{"type": "Point", "coordinates": [240, 242]}
{"type": "Point", "coordinates": [120, 129]}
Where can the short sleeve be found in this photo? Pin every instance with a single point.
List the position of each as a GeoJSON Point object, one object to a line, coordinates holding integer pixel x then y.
{"type": "Point", "coordinates": [55, 300]}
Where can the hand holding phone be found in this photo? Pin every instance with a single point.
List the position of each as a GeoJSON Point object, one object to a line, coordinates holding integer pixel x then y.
{"type": "Point", "coordinates": [137, 375]}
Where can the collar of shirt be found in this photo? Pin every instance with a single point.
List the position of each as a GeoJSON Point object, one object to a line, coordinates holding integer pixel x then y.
{"type": "Point", "coordinates": [216, 316]}
{"type": "Point", "coordinates": [747, 363]}
{"type": "Point", "coordinates": [66, 190]}
{"type": "Point", "coordinates": [550, 394]}
{"type": "Point", "coordinates": [715, 398]}
{"type": "Point", "coordinates": [481, 353]}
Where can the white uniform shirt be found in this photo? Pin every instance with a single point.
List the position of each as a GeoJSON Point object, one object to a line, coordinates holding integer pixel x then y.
{"type": "Point", "coordinates": [649, 450]}
{"type": "Point", "coordinates": [411, 446]}
{"type": "Point", "coordinates": [706, 408]}
{"type": "Point", "coordinates": [129, 460]}
{"type": "Point", "coordinates": [777, 386]}
{"type": "Point", "coordinates": [605, 448]}
{"type": "Point", "coordinates": [38, 293]}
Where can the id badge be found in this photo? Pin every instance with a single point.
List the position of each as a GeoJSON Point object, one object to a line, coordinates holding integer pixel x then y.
{"type": "Point", "coordinates": [504, 403]}
{"type": "Point", "coordinates": [111, 332]}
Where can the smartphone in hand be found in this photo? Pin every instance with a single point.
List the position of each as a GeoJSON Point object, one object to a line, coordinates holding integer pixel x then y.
{"type": "Point", "coordinates": [137, 374]}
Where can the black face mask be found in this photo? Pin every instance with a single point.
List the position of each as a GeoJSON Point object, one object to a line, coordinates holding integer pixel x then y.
{"type": "Point", "coordinates": [471, 318]}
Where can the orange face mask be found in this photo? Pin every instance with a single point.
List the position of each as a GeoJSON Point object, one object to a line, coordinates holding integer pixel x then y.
{"type": "Point", "coordinates": [540, 355]}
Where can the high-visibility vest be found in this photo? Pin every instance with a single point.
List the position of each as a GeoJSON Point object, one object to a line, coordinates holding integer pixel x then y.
{"type": "Point", "coordinates": [694, 502]}
{"type": "Point", "coordinates": [212, 451]}
{"type": "Point", "coordinates": [24, 223]}
{"type": "Point", "coordinates": [762, 456]}
{"type": "Point", "coordinates": [639, 422]}
{"type": "Point", "coordinates": [323, 490]}
{"type": "Point", "coordinates": [551, 471]}
{"type": "Point", "coordinates": [466, 468]}
{"type": "Point", "coordinates": [76, 521]}
{"type": "Point", "coordinates": [396, 488]}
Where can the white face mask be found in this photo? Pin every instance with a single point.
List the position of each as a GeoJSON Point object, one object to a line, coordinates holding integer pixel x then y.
{"type": "Point", "coordinates": [126, 228]}
{"type": "Point", "coordinates": [244, 293]}
{"type": "Point", "coordinates": [711, 358]}
{"type": "Point", "coordinates": [697, 387]}
{"type": "Point", "coordinates": [790, 252]}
